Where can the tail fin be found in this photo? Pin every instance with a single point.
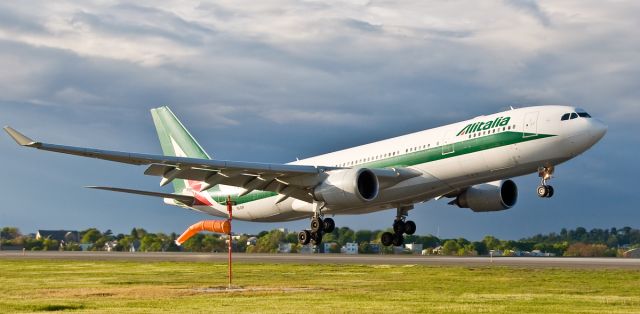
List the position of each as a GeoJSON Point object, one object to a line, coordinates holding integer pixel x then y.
{"type": "Point", "coordinates": [176, 140]}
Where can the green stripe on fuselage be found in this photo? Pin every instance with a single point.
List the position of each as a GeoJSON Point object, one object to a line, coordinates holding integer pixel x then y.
{"type": "Point", "coordinates": [435, 153]}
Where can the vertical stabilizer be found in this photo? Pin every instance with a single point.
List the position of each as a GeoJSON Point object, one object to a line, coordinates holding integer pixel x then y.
{"type": "Point", "coordinates": [176, 140]}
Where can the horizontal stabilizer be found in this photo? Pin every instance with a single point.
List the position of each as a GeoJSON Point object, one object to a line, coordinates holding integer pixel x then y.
{"type": "Point", "coordinates": [185, 199]}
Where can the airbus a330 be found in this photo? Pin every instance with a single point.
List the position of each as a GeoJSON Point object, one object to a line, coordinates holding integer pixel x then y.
{"type": "Point", "coordinates": [470, 162]}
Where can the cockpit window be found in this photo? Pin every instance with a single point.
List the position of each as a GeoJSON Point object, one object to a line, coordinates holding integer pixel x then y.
{"type": "Point", "coordinates": [573, 115]}
{"type": "Point", "coordinates": [565, 117]}
{"type": "Point", "coordinates": [584, 115]}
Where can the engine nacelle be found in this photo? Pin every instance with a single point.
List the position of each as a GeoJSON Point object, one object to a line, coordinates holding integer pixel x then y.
{"type": "Point", "coordinates": [489, 197]}
{"type": "Point", "coordinates": [349, 186]}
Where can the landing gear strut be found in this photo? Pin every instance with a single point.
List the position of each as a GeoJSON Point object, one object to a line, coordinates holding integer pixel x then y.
{"type": "Point", "coordinates": [545, 174]}
{"type": "Point", "coordinates": [318, 228]}
{"type": "Point", "coordinates": [400, 226]}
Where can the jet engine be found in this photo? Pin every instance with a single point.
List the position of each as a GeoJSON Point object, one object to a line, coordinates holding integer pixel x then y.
{"type": "Point", "coordinates": [489, 197]}
{"type": "Point", "coordinates": [349, 186]}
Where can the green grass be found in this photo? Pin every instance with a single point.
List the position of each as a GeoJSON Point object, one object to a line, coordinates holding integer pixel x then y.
{"type": "Point", "coordinates": [152, 287]}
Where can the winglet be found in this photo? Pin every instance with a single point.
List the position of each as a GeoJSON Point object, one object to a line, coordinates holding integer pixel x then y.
{"type": "Point", "coordinates": [20, 138]}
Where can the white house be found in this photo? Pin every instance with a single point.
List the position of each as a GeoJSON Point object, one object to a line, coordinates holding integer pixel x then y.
{"type": "Point", "coordinates": [351, 248]}
{"type": "Point", "coordinates": [415, 248]}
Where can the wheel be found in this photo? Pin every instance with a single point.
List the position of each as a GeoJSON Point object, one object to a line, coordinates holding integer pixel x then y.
{"type": "Point", "coordinates": [550, 191]}
{"type": "Point", "coordinates": [329, 225]}
{"type": "Point", "coordinates": [316, 224]}
{"type": "Point", "coordinates": [398, 227]}
{"type": "Point", "coordinates": [409, 227]}
{"type": "Point", "coordinates": [304, 237]}
{"type": "Point", "coordinates": [543, 191]}
{"type": "Point", "coordinates": [316, 238]}
{"type": "Point", "coordinates": [386, 238]}
{"type": "Point", "coordinates": [398, 239]}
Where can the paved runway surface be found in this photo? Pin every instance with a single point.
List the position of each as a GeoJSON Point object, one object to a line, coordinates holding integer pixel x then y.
{"type": "Point", "coordinates": [569, 262]}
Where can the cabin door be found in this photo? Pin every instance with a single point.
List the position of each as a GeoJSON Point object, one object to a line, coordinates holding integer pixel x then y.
{"type": "Point", "coordinates": [530, 127]}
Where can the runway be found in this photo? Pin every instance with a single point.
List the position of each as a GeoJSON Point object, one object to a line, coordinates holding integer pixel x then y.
{"type": "Point", "coordinates": [532, 262]}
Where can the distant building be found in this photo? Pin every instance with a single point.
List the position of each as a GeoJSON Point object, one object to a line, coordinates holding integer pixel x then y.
{"type": "Point", "coordinates": [331, 247]}
{"type": "Point", "coordinates": [351, 248]}
{"type": "Point", "coordinates": [284, 247]}
{"type": "Point", "coordinates": [110, 246]}
{"type": "Point", "coordinates": [59, 235]}
{"type": "Point", "coordinates": [306, 249]}
{"type": "Point", "coordinates": [252, 241]}
{"type": "Point", "coordinates": [374, 248]}
{"type": "Point", "coordinates": [633, 253]}
{"type": "Point", "coordinates": [415, 248]}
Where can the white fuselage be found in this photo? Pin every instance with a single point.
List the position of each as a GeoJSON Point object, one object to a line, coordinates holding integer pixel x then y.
{"type": "Point", "coordinates": [450, 158]}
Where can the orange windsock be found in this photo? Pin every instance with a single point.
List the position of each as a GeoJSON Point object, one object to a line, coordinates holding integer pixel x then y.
{"type": "Point", "coordinates": [218, 226]}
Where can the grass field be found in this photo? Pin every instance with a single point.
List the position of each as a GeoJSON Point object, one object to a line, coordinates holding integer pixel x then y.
{"type": "Point", "coordinates": [151, 287]}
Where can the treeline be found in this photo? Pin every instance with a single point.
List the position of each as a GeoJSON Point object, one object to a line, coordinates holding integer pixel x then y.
{"type": "Point", "coordinates": [578, 242]}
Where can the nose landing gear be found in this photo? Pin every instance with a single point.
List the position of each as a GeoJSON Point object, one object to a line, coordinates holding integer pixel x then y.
{"type": "Point", "coordinates": [400, 226]}
{"type": "Point", "coordinates": [545, 190]}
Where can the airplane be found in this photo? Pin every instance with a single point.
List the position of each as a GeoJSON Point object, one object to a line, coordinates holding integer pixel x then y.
{"type": "Point", "coordinates": [470, 162]}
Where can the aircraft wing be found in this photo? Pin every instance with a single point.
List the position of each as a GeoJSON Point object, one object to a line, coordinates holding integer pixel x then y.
{"type": "Point", "coordinates": [295, 181]}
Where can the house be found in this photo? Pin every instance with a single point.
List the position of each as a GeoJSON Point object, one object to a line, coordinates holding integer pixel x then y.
{"type": "Point", "coordinates": [415, 248]}
{"type": "Point", "coordinates": [110, 246]}
{"type": "Point", "coordinates": [252, 241]}
{"type": "Point", "coordinates": [284, 247]}
{"type": "Point", "coordinates": [59, 235]}
{"type": "Point", "coordinates": [351, 248]}
{"type": "Point", "coordinates": [306, 249]}
{"type": "Point", "coordinates": [331, 247]}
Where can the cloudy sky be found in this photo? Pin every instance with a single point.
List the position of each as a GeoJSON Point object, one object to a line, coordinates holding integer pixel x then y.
{"type": "Point", "coordinates": [274, 80]}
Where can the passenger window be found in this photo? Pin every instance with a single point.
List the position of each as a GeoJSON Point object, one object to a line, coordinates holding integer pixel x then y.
{"type": "Point", "coordinates": [573, 115]}
{"type": "Point", "coordinates": [565, 117]}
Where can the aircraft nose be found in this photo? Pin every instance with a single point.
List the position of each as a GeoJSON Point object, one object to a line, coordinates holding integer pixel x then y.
{"type": "Point", "coordinates": [598, 129]}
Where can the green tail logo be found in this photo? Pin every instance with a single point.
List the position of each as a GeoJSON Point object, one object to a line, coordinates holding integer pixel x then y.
{"type": "Point", "coordinates": [176, 140]}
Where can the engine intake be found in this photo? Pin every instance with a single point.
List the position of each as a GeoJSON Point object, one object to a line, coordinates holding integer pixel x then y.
{"type": "Point", "coordinates": [489, 197]}
{"type": "Point", "coordinates": [349, 186]}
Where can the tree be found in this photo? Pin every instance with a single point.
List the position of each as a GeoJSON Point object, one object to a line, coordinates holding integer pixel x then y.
{"type": "Point", "coordinates": [480, 247]}
{"type": "Point", "coordinates": [10, 233]}
{"type": "Point", "coordinates": [150, 243]}
{"type": "Point", "coordinates": [450, 247]}
{"type": "Point", "coordinates": [345, 235]}
{"type": "Point", "coordinates": [363, 236]}
{"type": "Point", "coordinates": [269, 242]}
{"type": "Point", "coordinates": [50, 244]}
{"type": "Point", "coordinates": [90, 235]}
{"type": "Point", "coordinates": [491, 242]}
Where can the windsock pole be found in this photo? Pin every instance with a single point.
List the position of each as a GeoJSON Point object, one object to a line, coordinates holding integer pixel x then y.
{"type": "Point", "coordinates": [230, 210]}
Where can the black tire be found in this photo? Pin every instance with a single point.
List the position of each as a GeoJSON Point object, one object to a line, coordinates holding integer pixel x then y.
{"type": "Point", "coordinates": [329, 225]}
{"type": "Point", "coordinates": [409, 227]}
{"type": "Point", "coordinates": [549, 191]}
{"type": "Point", "coordinates": [304, 237]}
{"type": "Point", "coordinates": [398, 240]}
{"type": "Point", "coordinates": [316, 224]}
{"type": "Point", "coordinates": [542, 191]}
{"type": "Point", "coordinates": [316, 238]}
{"type": "Point", "coordinates": [386, 239]}
{"type": "Point", "coordinates": [398, 227]}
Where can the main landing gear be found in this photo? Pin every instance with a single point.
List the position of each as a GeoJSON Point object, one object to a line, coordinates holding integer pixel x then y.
{"type": "Point", "coordinates": [400, 226]}
{"type": "Point", "coordinates": [318, 228]}
{"type": "Point", "coordinates": [545, 174]}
